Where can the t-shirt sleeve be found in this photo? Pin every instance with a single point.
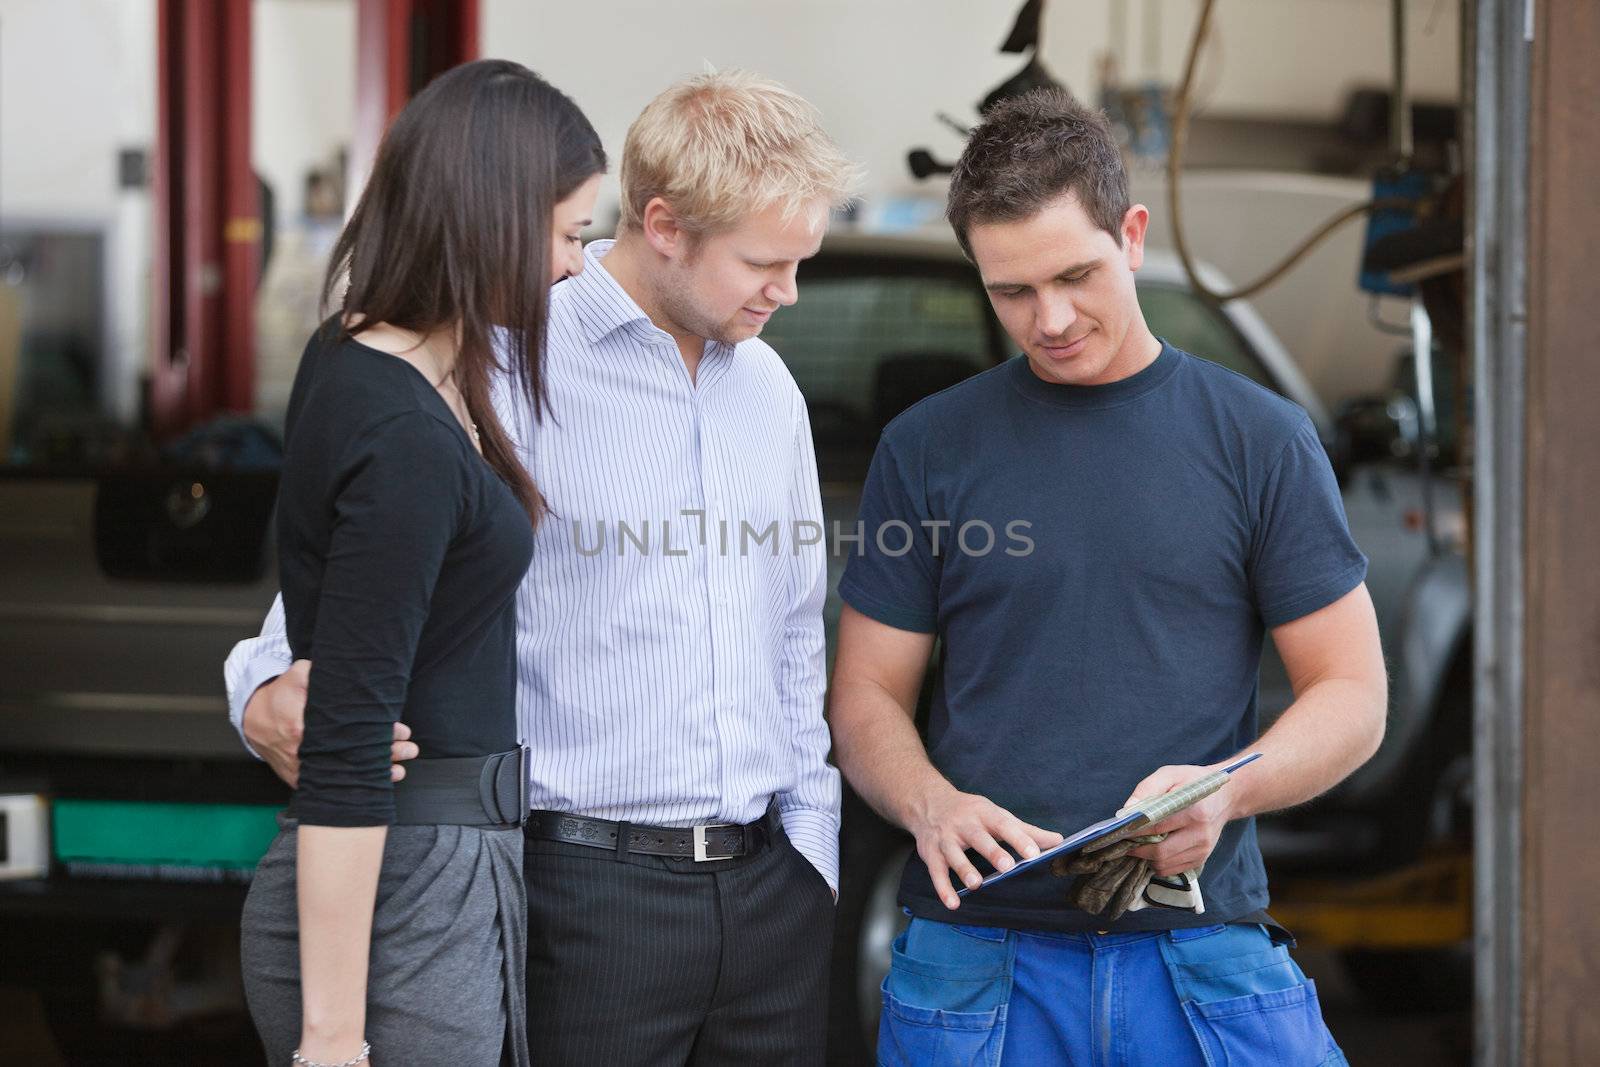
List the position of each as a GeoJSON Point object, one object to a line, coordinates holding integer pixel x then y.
{"type": "Point", "coordinates": [893, 571]}
{"type": "Point", "coordinates": [400, 499]}
{"type": "Point", "coordinates": [1302, 557]}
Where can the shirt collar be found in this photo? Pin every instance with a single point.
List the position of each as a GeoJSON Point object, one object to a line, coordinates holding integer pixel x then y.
{"type": "Point", "coordinates": [604, 306]}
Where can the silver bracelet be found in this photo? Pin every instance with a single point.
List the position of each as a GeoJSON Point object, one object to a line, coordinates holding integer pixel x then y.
{"type": "Point", "coordinates": [300, 1061]}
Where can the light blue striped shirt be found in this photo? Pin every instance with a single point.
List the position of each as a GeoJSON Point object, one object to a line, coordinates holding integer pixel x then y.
{"type": "Point", "coordinates": [669, 632]}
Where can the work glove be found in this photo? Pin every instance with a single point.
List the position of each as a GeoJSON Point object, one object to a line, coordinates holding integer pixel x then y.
{"type": "Point", "coordinates": [1110, 883]}
{"type": "Point", "coordinates": [1109, 880]}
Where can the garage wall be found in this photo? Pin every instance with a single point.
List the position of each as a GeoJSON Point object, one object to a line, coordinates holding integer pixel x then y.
{"type": "Point", "coordinates": [1244, 223]}
{"type": "Point", "coordinates": [878, 69]}
{"type": "Point", "coordinates": [1285, 59]}
{"type": "Point", "coordinates": [77, 81]}
{"type": "Point", "coordinates": [1281, 60]}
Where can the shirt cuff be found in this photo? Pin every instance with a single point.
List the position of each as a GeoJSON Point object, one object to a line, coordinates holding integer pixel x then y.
{"type": "Point", "coordinates": [815, 834]}
{"type": "Point", "coordinates": [256, 673]}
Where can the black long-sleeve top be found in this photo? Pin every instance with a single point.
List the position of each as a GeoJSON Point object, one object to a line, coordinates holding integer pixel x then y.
{"type": "Point", "coordinates": [400, 552]}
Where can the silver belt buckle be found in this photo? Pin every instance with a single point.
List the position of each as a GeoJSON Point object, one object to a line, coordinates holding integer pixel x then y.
{"type": "Point", "coordinates": [700, 854]}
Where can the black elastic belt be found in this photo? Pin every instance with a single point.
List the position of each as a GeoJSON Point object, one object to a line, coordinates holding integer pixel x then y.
{"type": "Point", "coordinates": [490, 792]}
{"type": "Point", "coordinates": [715, 841]}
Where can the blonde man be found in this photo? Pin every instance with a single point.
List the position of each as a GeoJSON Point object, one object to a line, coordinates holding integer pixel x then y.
{"type": "Point", "coordinates": [682, 853]}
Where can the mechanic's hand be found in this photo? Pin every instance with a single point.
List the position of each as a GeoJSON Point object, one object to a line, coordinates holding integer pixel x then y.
{"type": "Point", "coordinates": [275, 720]}
{"type": "Point", "coordinates": [950, 822]}
{"type": "Point", "coordinates": [1192, 833]}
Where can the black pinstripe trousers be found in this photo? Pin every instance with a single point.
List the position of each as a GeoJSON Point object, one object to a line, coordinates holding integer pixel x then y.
{"type": "Point", "coordinates": [654, 961]}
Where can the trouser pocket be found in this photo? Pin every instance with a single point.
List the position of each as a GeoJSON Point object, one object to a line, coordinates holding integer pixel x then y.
{"type": "Point", "coordinates": [1246, 1000]}
{"type": "Point", "coordinates": [946, 996]}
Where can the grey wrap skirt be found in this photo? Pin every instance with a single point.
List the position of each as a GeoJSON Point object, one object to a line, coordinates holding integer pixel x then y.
{"type": "Point", "coordinates": [445, 979]}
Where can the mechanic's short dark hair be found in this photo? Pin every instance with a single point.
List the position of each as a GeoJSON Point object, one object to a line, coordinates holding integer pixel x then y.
{"type": "Point", "coordinates": [1029, 151]}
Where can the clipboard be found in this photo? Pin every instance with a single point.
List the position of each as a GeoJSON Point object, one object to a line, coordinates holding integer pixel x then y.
{"type": "Point", "coordinates": [1150, 811]}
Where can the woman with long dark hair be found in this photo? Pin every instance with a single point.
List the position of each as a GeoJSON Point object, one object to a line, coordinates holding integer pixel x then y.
{"type": "Point", "coordinates": [388, 918]}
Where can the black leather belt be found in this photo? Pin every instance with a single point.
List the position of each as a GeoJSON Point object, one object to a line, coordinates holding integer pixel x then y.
{"type": "Point", "coordinates": [715, 841]}
{"type": "Point", "coordinates": [490, 792]}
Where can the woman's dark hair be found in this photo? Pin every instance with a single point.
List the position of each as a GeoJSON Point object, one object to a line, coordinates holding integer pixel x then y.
{"type": "Point", "coordinates": [454, 228]}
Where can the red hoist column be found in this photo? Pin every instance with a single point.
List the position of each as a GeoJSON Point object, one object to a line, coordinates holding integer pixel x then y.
{"type": "Point", "coordinates": [207, 217]}
{"type": "Point", "coordinates": [400, 46]}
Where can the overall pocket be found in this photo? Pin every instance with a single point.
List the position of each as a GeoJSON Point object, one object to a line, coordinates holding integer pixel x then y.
{"type": "Point", "coordinates": [945, 999]}
{"type": "Point", "coordinates": [1248, 1003]}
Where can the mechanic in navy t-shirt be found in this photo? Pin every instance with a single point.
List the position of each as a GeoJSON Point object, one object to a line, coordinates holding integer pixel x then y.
{"type": "Point", "coordinates": [1100, 532]}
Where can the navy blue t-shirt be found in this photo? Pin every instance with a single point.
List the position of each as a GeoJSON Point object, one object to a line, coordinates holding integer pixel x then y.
{"type": "Point", "coordinates": [1101, 564]}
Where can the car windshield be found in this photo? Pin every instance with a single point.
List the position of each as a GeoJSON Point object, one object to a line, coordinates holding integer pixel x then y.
{"type": "Point", "coordinates": [869, 338]}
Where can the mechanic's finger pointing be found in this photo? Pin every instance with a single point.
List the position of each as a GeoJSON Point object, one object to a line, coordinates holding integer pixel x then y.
{"type": "Point", "coordinates": [1026, 838]}
{"type": "Point", "coordinates": [987, 847]}
{"type": "Point", "coordinates": [939, 873]}
{"type": "Point", "coordinates": [963, 868]}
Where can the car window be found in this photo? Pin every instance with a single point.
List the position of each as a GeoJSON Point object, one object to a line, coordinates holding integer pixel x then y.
{"type": "Point", "coordinates": [864, 344]}
{"type": "Point", "coordinates": [1186, 320]}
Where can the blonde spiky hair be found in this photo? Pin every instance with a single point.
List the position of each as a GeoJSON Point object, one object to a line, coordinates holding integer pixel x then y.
{"type": "Point", "coordinates": [724, 145]}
